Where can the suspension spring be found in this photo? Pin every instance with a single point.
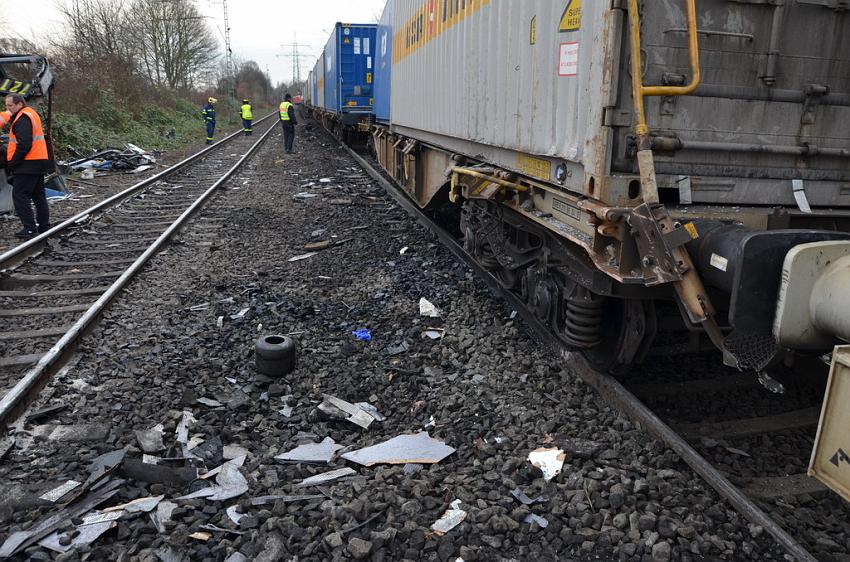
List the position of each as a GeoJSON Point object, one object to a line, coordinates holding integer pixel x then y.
{"type": "Point", "coordinates": [583, 323]}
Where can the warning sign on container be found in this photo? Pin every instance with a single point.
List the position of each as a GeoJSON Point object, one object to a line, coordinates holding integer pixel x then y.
{"type": "Point", "coordinates": [568, 60]}
{"type": "Point", "coordinates": [571, 18]}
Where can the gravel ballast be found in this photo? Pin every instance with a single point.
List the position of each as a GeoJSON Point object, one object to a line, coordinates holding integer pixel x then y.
{"type": "Point", "coordinates": [182, 340]}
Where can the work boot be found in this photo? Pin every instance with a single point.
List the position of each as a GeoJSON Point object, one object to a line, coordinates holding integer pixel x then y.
{"type": "Point", "coordinates": [26, 233]}
{"type": "Point", "coordinates": [43, 229]}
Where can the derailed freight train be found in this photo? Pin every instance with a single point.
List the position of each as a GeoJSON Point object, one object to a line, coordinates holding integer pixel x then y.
{"type": "Point", "coordinates": [623, 164]}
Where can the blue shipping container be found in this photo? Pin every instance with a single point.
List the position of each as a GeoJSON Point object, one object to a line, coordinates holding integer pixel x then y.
{"type": "Point", "coordinates": [384, 65]}
{"type": "Point", "coordinates": [349, 69]}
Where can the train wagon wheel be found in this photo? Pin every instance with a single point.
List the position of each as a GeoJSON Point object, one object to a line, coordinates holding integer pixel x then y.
{"type": "Point", "coordinates": [628, 328]}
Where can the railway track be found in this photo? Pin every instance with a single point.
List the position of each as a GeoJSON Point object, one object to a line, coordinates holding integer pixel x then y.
{"type": "Point", "coordinates": [55, 287]}
{"type": "Point", "coordinates": [686, 439]}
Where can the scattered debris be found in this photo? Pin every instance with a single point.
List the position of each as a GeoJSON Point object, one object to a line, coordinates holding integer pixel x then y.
{"type": "Point", "coordinates": [549, 461]}
{"type": "Point", "coordinates": [371, 410]}
{"type": "Point", "coordinates": [151, 440]}
{"type": "Point", "coordinates": [286, 411]}
{"type": "Point", "coordinates": [46, 412]}
{"type": "Point", "coordinates": [21, 540]}
{"type": "Point", "coordinates": [525, 500]}
{"type": "Point", "coordinates": [201, 536]}
{"type": "Point", "coordinates": [230, 482]}
{"type": "Point", "coordinates": [57, 493]}
{"type": "Point", "coordinates": [541, 521]}
{"type": "Point", "coordinates": [131, 158]}
{"type": "Point", "coordinates": [435, 333]}
{"type": "Point", "coordinates": [362, 334]}
{"type": "Point", "coordinates": [394, 350]}
{"type": "Point", "coordinates": [739, 452]}
{"type": "Point", "coordinates": [326, 477]}
{"type": "Point", "coordinates": [182, 432]}
{"type": "Point", "coordinates": [79, 535]}
{"type": "Point", "coordinates": [303, 257]}
{"type": "Point", "coordinates": [238, 316]}
{"type": "Point", "coordinates": [237, 462]}
{"type": "Point", "coordinates": [234, 515]}
{"type": "Point", "coordinates": [157, 474]}
{"type": "Point", "coordinates": [317, 246]}
{"type": "Point", "coordinates": [266, 500]}
{"type": "Point", "coordinates": [426, 308]}
{"type": "Point", "coordinates": [404, 250]}
{"type": "Point", "coordinates": [305, 195]}
{"type": "Point", "coordinates": [419, 448]}
{"type": "Point", "coordinates": [210, 402]}
{"type": "Point", "coordinates": [453, 517]}
{"type": "Point", "coordinates": [231, 452]}
{"type": "Point", "coordinates": [140, 505]}
{"type": "Point", "coordinates": [162, 515]}
{"type": "Point", "coordinates": [311, 452]}
{"type": "Point", "coordinates": [340, 409]}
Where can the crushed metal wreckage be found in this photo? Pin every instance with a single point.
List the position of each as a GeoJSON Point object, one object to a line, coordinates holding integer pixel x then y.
{"type": "Point", "coordinates": [131, 159]}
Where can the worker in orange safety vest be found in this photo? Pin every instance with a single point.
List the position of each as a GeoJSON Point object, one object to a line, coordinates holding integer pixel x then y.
{"type": "Point", "coordinates": [27, 161]}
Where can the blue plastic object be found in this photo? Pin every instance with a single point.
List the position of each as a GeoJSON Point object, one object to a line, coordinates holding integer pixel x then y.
{"type": "Point", "coordinates": [53, 194]}
{"type": "Point", "coordinates": [384, 64]}
{"type": "Point", "coordinates": [349, 68]}
{"type": "Point", "coordinates": [362, 334]}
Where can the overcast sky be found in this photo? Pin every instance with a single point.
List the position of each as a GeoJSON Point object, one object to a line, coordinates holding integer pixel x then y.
{"type": "Point", "coordinates": [259, 29]}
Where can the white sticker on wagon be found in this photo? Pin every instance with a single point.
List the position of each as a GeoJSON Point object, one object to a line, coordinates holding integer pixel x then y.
{"type": "Point", "coordinates": [568, 60]}
{"type": "Point", "coordinates": [719, 262]}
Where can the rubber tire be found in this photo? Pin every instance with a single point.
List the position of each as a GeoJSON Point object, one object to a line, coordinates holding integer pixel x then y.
{"type": "Point", "coordinates": [275, 356]}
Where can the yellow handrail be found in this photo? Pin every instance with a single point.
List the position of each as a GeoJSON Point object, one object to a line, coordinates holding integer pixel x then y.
{"type": "Point", "coordinates": [461, 171]}
{"type": "Point", "coordinates": [639, 90]}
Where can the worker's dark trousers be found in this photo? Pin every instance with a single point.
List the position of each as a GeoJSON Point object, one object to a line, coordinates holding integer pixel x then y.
{"type": "Point", "coordinates": [210, 131]}
{"type": "Point", "coordinates": [29, 188]}
{"type": "Point", "coordinates": [288, 136]}
{"type": "Point", "coordinates": [246, 127]}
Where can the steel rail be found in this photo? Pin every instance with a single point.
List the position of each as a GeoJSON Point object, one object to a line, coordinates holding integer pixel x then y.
{"type": "Point", "coordinates": [15, 401]}
{"type": "Point", "coordinates": [35, 245]}
{"type": "Point", "coordinates": [608, 387]}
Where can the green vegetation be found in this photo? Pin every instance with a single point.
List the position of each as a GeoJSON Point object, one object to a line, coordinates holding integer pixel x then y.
{"type": "Point", "coordinates": [111, 124]}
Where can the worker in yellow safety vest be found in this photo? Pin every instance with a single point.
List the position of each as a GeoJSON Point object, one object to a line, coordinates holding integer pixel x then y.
{"type": "Point", "coordinates": [247, 117]}
{"type": "Point", "coordinates": [288, 121]}
{"type": "Point", "coordinates": [27, 160]}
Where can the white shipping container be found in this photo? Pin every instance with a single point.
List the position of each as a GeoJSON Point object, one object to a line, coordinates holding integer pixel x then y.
{"type": "Point", "coordinates": [308, 95]}
{"type": "Point", "coordinates": [319, 73]}
{"type": "Point", "coordinates": [529, 84]}
{"type": "Point", "coordinates": [516, 75]}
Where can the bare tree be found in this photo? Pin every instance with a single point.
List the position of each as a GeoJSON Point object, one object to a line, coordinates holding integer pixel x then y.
{"type": "Point", "coordinates": [99, 30]}
{"type": "Point", "coordinates": [251, 82]}
{"type": "Point", "coordinates": [176, 45]}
